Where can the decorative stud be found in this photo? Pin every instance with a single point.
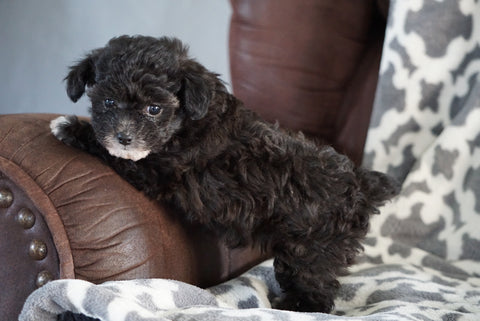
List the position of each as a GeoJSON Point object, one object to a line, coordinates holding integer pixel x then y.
{"type": "Point", "coordinates": [6, 198]}
{"type": "Point", "coordinates": [37, 250]}
{"type": "Point", "coordinates": [25, 218]}
{"type": "Point", "coordinates": [43, 278]}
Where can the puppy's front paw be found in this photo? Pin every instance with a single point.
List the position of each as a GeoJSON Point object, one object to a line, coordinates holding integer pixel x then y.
{"type": "Point", "coordinates": [72, 131]}
{"type": "Point", "coordinates": [60, 126]}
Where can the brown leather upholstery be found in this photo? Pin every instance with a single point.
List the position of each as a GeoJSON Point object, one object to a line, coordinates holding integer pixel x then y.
{"type": "Point", "coordinates": [310, 64]}
{"type": "Point", "coordinates": [26, 246]}
{"type": "Point", "coordinates": [95, 226]}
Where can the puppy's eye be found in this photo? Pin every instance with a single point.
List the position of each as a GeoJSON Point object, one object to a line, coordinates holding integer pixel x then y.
{"type": "Point", "coordinates": [109, 102]}
{"type": "Point", "coordinates": [153, 110]}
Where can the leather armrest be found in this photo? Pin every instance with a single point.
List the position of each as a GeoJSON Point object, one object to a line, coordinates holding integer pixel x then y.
{"type": "Point", "coordinates": [93, 224]}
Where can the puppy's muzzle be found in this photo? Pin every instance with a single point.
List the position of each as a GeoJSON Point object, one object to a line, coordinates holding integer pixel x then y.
{"type": "Point", "coordinates": [124, 139]}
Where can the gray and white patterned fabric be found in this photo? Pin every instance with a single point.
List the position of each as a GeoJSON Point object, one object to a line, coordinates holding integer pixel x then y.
{"type": "Point", "coordinates": [425, 130]}
{"type": "Point", "coordinates": [422, 256]}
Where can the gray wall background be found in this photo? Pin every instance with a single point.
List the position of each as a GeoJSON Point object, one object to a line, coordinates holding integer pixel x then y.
{"type": "Point", "coordinates": [40, 39]}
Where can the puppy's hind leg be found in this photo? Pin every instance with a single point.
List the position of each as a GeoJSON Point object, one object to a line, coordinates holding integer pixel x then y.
{"type": "Point", "coordinates": [307, 277]}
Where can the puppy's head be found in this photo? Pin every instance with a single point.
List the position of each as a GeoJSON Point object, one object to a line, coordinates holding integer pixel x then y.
{"type": "Point", "coordinates": [141, 89]}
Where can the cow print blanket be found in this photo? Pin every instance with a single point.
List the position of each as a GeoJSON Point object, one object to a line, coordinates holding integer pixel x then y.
{"type": "Point", "coordinates": [422, 257]}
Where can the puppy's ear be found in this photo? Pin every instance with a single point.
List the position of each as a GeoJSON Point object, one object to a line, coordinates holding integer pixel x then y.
{"type": "Point", "coordinates": [198, 86]}
{"type": "Point", "coordinates": [81, 75]}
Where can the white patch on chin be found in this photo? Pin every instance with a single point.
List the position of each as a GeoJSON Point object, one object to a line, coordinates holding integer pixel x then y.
{"type": "Point", "coordinates": [126, 152]}
{"type": "Point", "coordinates": [129, 153]}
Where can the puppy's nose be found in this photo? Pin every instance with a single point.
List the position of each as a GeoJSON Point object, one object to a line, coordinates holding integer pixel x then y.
{"type": "Point", "coordinates": [124, 139]}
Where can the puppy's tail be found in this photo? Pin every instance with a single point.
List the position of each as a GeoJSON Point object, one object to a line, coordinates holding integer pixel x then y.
{"type": "Point", "coordinates": [377, 186]}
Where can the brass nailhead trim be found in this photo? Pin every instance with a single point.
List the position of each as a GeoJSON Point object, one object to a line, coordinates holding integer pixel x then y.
{"type": "Point", "coordinates": [25, 218]}
{"type": "Point", "coordinates": [6, 198]}
{"type": "Point", "coordinates": [43, 278]}
{"type": "Point", "coordinates": [37, 250]}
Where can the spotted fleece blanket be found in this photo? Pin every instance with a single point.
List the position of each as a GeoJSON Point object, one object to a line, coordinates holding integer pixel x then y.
{"type": "Point", "coordinates": [422, 256]}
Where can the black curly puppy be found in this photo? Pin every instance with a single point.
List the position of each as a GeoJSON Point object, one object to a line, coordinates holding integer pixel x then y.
{"type": "Point", "coordinates": [169, 127]}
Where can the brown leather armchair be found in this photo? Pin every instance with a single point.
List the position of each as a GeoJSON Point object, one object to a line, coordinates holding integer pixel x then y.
{"type": "Point", "coordinates": [310, 64]}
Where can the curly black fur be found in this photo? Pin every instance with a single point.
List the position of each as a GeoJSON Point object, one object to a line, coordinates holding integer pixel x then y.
{"type": "Point", "coordinates": [202, 152]}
